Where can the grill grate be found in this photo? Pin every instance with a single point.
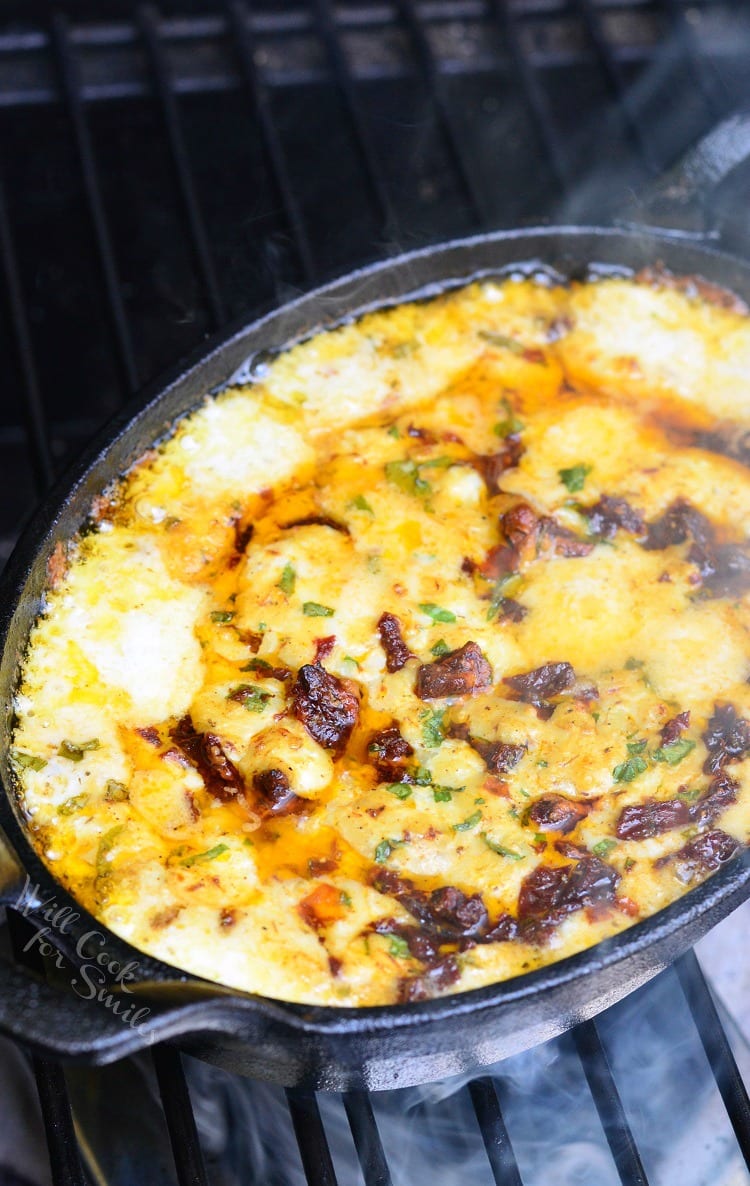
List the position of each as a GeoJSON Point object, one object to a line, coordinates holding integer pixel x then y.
{"type": "Point", "coordinates": [438, 118]}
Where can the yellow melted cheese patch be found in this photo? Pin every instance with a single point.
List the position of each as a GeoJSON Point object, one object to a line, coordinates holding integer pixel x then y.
{"type": "Point", "coordinates": [421, 661]}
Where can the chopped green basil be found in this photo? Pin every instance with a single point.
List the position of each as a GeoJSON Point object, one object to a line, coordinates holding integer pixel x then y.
{"type": "Point", "coordinates": [222, 615]}
{"type": "Point", "coordinates": [675, 752]}
{"type": "Point", "coordinates": [689, 796]}
{"type": "Point", "coordinates": [398, 947]}
{"type": "Point", "coordinates": [433, 733]}
{"type": "Point", "coordinates": [73, 752]}
{"type": "Point", "coordinates": [114, 791]}
{"type": "Point", "coordinates": [422, 777]}
{"type": "Point", "coordinates": [470, 822]}
{"type": "Point", "coordinates": [633, 664]}
{"type": "Point", "coordinates": [27, 761]}
{"type": "Point", "coordinates": [636, 747]}
{"type": "Point", "coordinates": [360, 503]}
{"type": "Point", "coordinates": [629, 770]}
{"type": "Point", "coordinates": [629, 864]}
{"type": "Point", "coordinates": [70, 806]}
{"type": "Point", "coordinates": [438, 463]}
{"type": "Point", "coordinates": [250, 696]}
{"type": "Point", "coordinates": [540, 838]}
{"type": "Point", "coordinates": [394, 431]}
{"type": "Point", "coordinates": [383, 851]}
{"type": "Point", "coordinates": [501, 850]}
{"type": "Point", "coordinates": [311, 609]}
{"type": "Point", "coordinates": [287, 580]}
{"type": "Point", "coordinates": [436, 612]}
{"type": "Point", "coordinates": [603, 848]}
{"type": "Point", "coordinates": [401, 790]}
{"type": "Point", "coordinates": [440, 648]}
{"type": "Point", "coordinates": [501, 340]}
{"type": "Point", "coordinates": [210, 854]}
{"type": "Point", "coordinates": [510, 425]}
{"type": "Point", "coordinates": [405, 475]}
{"type": "Point", "coordinates": [442, 794]}
{"type": "Point", "coordinates": [344, 898]}
{"type": "Point", "coordinates": [574, 477]}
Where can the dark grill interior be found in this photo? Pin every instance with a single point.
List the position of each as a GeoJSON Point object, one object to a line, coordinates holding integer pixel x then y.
{"type": "Point", "coordinates": [162, 172]}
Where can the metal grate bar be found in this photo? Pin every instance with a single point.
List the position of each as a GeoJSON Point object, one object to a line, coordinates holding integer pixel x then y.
{"type": "Point", "coordinates": [529, 83]}
{"type": "Point", "coordinates": [311, 1138]}
{"type": "Point", "coordinates": [148, 24]}
{"type": "Point", "coordinates": [606, 1097]}
{"type": "Point", "coordinates": [178, 1111]}
{"type": "Point", "coordinates": [717, 1048]}
{"type": "Point", "coordinates": [429, 70]}
{"type": "Point", "coordinates": [344, 81]}
{"type": "Point", "coordinates": [245, 45]}
{"type": "Point", "coordinates": [65, 1161]}
{"type": "Point", "coordinates": [33, 410]}
{"type": "Point", "coordinates": [500, 1153]}
{"type": "Point", "coordinates": [367, 1138]}
{"type": "Point", "coordinates": [70, 82]}
{"type": "Point", "coordinates": [616, 83]}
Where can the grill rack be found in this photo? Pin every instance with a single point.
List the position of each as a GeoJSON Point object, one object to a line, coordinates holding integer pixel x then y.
{"type": "Point", "coordinates": [64, 65]}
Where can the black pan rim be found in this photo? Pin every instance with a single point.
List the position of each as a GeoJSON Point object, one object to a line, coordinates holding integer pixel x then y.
{"type": "Point", "coordinates": [727, 882]}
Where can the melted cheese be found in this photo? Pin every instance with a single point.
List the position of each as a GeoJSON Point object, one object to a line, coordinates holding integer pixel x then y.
{"type": "Point", "coordinates": [358, 459]}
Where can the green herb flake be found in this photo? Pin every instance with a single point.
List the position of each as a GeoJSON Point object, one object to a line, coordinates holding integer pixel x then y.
{"type": "Point", "coordinates": [501, 340]}
{"type": "Point", "coordinates": [73, 752]}
{"type": "Point", "coordinates": [401, 790]}
{"type": "Point", "coordinates": [629, 770]}
{"type": "Point", "coordinates": [479, 802]}
{"type": "Point", "coordinates": [250, 696]}
{"type": "Point", "coordinates": [440, 648]}
{"type": "Point", "coordinates": [71, 806]}
{"type": "Point", "coordinates": [422, 777]}
{"type": "Point", "coordinates": [222, 616]}
{"type": "Point", "coordinates": [540, 838]}
{"type": "Point", "coordinates": [433, 732]}
{"type": "Point", "coordinates": [360, 503]}
{"type": "Point", "coordinates": [287, 580]}
{"type": "Point", "coordinates": [633, 664]}
{"type": "Point", "coordinates": [603, 848]}
{"type": "Point", "coordinates": [382, 852]}
{"type": "Point", "coordinates": [501, 850]}
{"type": "Point", "coordinates": [543, 763]}
{"type": "Point", "coordinates": [469, 823]}
{"type": "Point", "coordinates": [436, 612]}
{"type": "Point", "coordinates": [510, 425]}
{"type": "Point", "coordinates": [438, 463]}
{"type": "Point", "coordinates": [394, 431]}
{"type": "Point", "coordinates": [689, 796]}
{"type": "Point", "coordinates": [27, 761]}
{"type": "Point", "coordinates": [312, 609]}
{"type": "Point", "coordinates": [629, 864]}
{"type": "Point", "coordinates": [574, 477]}
{"type": "Point", "coordinates": [442, 794]}
{"type": "Point", "coordinates": [210, 854]}
{"type": "Point", "coordinates": [114, 791]}
{"type": "Point", "coordinates": [405, 475]}
{"type": "Point", "coordinates": [636, 747]}
{"type": "Point", "coordinates": [344, 898]}
{"type": "Point", "coordinates": [398, 947]}
{"type": "Point", "coordinates": [674, 753]}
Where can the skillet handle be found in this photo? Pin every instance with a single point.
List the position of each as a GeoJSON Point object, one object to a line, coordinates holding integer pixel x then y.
{"type": "Point", "coordinates": [70, 1026]}
{"type": "Point", "coordinates": [678, 203]}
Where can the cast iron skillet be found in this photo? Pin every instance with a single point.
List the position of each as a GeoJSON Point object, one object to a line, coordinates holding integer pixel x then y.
{"type": "Point", "coordinates": [325, 1047]}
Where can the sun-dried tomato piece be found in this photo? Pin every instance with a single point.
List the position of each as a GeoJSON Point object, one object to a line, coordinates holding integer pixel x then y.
{"type": "Point", "coordinates": [459, 673]}
{"type": "Point", "coordinates": [537, 686]}
{"type": "Point", "coordinates": [438, 977]}
{"type": "Point", "coordinates": [492, 466]}
{"type": "Point", "coordinates": [519, 524]}
{"type": "Point", "coordinates": [319, 521]}
{"type": "Point", "coordinates": [397, 652]}
{"type": "Point", "coordinates": [555, 540]}
{"type": "Point", "coordinates": [390, 752]}
{"type": "Point", "coordinates": [323, 647]}
{"type": "Point", "coordinates": [326, 706]}
{"type": "Point", "coordinates": [727, 738]}
{"type": "Point", "coordinates": [275, 790]}
{"type": "Point", "coordinates": [609, 514]}
{"type": "Point", "coordinates": [555, 813]}
{"type": "Point", "coordinates": [206, 752]}
{"type": "Point", "coordinates": [701, 856]}
{"type": "Point", "coordinates": [670, 732]}
{"type": "Point", "coordinates": [680, 521]}
{"type": "Point", "coordinates": [548, 894]}
{"type": "Point", "coordinates": [500, 757]}
{"type": "Point", "coordinates": [640, 821]}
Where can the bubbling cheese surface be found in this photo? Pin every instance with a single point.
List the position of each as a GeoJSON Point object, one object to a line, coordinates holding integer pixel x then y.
{"type": "Point", "coordinates": [419, 662]}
